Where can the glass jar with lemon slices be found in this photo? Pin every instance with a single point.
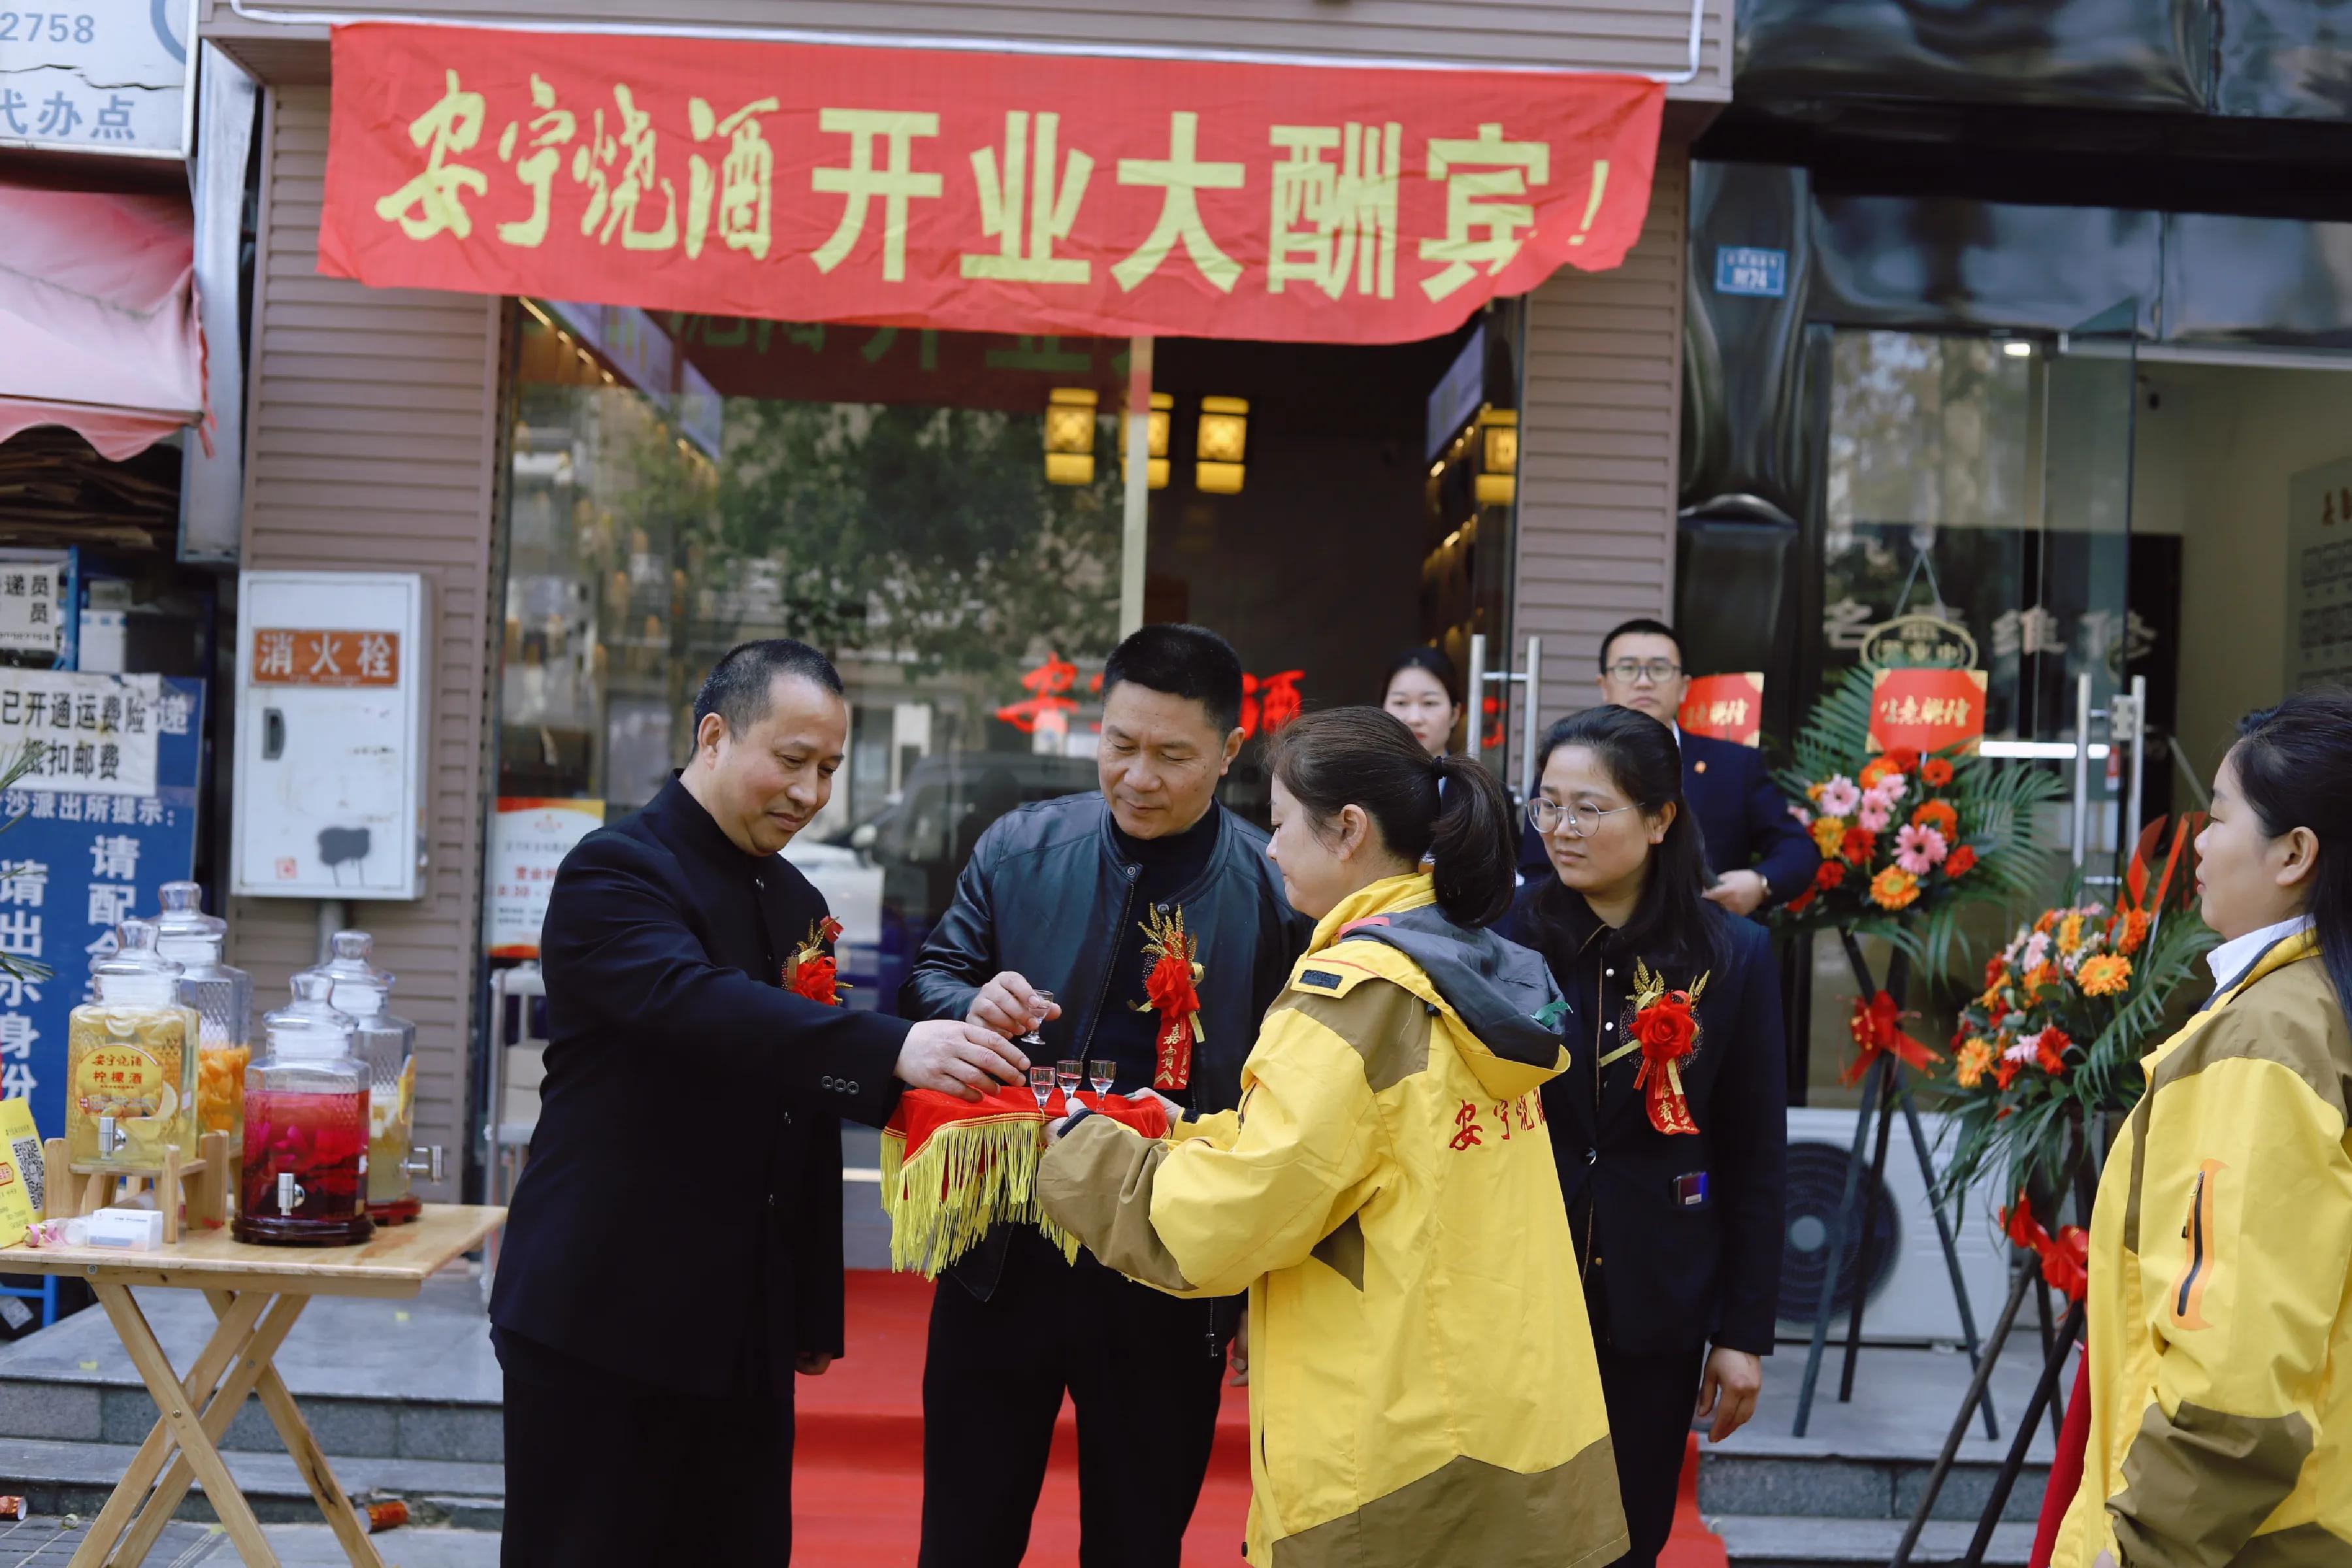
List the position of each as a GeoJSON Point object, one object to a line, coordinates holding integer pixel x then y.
{"type": "Point", "coordinates": [130, 1061]}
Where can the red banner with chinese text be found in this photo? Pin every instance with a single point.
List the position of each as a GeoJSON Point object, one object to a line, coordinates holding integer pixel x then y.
{"type": "Point", "coordinates": [969, 191]}
{"type": "Point", "coordinates": [1927, 709]}
{"type": "Point", "coordinates": [1727, 706]}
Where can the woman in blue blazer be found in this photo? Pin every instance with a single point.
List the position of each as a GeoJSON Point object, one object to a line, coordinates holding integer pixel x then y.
{"type": "Point", "coordinates": [1670, 1152]}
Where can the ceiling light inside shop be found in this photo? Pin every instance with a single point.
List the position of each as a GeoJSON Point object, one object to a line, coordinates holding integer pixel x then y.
{"type": "Point", "coordinates": [1070, 435]}
{"type": "Point", "coordinates": [1164, 411]}
{"type": "Point", "coordinates": [1223, 444]}
{"type": "Point", "coordinates": [1498, 465]}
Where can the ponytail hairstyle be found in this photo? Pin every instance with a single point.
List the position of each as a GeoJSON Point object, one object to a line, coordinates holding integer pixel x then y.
{"type": "Point", "coordinates": [1671, 921]}
{"type": "Point", "coordinates": [1365, 757]}
{"type": "Point", "coordinates": [2294, 764]}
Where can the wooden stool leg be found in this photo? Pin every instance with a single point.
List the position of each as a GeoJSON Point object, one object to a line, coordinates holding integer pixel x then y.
{"type": "Point", "coordinates": [255, 1346]}
{"type": "Point", "coordinates": [332, 1500]}
{"type": "Point", "coordinates": [166, 1188]}
{"type": "Point", "coordinates": [218, 1354]}
{"type": "Point", "coordinates": [156, 1369]}
{"type": "Point", "coordinates": [57, 1193]}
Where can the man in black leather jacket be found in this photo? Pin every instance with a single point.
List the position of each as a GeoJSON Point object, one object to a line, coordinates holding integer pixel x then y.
{"type": "Point", "coordinates": [1060, 897]}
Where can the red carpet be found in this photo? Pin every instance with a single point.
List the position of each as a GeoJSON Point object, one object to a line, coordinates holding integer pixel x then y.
{"type": "Point", "coordinates": [857, 1483]}
{"type": "Point", "coordinates": [857, 1486]}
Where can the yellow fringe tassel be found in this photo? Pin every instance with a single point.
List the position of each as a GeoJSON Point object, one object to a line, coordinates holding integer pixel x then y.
{"type": "Point", "coordinates": [967, 1178]}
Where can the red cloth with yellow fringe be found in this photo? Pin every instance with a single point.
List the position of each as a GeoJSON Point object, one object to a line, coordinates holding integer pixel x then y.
{"type": "Point", "coordinates": [952, 1167]}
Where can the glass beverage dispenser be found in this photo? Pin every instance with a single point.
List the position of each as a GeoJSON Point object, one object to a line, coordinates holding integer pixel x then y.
{"type": "Point", "coordinates": [223, 999]}
{"type": "Point", "coordinates": [388, 1046]}
{"type": "Point", "coordinates": [306, 1127]}
{"type": "Point", "coordinates": [130, 1061]}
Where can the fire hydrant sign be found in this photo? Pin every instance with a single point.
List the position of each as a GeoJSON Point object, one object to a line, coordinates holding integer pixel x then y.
{"type": "Point", "coordinates": [1927, 709]}
{"type": "Point", "coordinates": [284, 656]}
{"type": "Point", "coordinates": [972, 191]}
{"type": "Point", "coordinates": [529, 840]}
{"type": "Point", "coordinates": [97, 734]}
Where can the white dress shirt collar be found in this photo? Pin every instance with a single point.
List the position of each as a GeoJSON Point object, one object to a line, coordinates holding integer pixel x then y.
{"type": "Point", "coordinates": [2233, 957]}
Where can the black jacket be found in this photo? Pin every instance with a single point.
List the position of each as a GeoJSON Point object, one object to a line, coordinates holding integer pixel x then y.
{"type": "Point", "coordinates": [1046, 895]}
{"type": "Point", "coordinates": [1674, 1273]}
{"type": "Point", "coordinates": [679, 1219]}
{"type": "Point", "coordinates": [1743, 819]}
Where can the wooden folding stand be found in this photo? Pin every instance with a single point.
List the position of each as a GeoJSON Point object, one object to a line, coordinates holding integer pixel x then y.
{"type": "Point", "coordinates": [256, 1292]}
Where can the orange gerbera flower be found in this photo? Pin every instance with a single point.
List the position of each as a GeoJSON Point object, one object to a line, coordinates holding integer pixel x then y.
{"type": "Point", "coordinates": [1960, 861]}
{"type": "Point", "coordinates": [1829, 833]}
{"type": "Point", "coordinates": [1875, 770]}
{"type": "Point", "coordinates": [1973, 1062]}
{"type": "Point", "coordinates": [2130, 929]}
{"type": "Point", "coordinates": [1935, 773]}
{"type": "Point", "coordinates": [2105, 975]}
{"type": "Point", "coordinates": [1894, 888]}
{"type": "Point", "coordinates": [1939, 815]}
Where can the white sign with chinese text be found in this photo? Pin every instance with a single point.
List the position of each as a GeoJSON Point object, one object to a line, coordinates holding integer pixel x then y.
{"type": "Point", "coordinates": [31, 593]}
{"type": "Point", "coordinates": [529, 840]}
{"type": "Point", "coordinates": [98, 76]}
{"type": "Point", "coordinates": [96, 733]}
{"type": "Point", "coordinates": [2319, 575]}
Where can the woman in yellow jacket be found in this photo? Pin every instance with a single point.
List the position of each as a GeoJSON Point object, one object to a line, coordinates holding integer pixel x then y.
{"type": "Point", "coordinates": [2220, 1298]}
{"type": "Point", "coordinates": [1422, 1386]}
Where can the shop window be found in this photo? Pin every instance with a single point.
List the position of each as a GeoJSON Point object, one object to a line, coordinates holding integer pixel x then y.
{"type": "Point", "coordinates": [925, 509]}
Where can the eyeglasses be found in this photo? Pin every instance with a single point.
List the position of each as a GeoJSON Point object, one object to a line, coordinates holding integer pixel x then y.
{"type": "Point", "coordinates": [1657, 672]}
{"type": "Point", "coordinates": [1549, 815]}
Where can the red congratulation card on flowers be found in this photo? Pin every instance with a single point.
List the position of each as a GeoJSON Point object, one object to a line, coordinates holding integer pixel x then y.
{"type": "Point", "coordinates": [1727, 707]}
{"type": "Point", "coordinates": [1926, 710]}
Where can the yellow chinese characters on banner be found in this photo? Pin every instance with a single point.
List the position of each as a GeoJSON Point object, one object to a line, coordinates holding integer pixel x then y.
{"type": "Point", "coordinates": [904, 187]}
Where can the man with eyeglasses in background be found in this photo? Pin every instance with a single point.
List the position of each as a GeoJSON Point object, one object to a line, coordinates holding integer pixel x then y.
{"type": "Point", "coordinates": [1760, 854]}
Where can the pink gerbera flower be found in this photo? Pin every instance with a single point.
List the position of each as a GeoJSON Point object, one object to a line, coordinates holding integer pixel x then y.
{"type": "Point", "coordinates": [1873, 815]}
{"type": "Point", "coordinates": [1919, 849]}
{"type": "Point", "coordinates": [1804, 818]}
{"type": "Point", "coordinates": [1888, 789]}
{"type": "Point", "coordinates": [1839, 797]}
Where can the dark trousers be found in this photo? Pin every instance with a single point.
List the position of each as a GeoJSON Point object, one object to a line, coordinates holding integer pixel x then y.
{"type": "Point", "coordinates": [1144, 1371]}
{"type": "Point", "coordinates": [595, 1463]}
{"type": "Point", "coordinates": [1650, 1400]}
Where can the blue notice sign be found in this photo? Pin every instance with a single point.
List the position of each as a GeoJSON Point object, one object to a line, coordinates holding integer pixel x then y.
{"type": "Point", "coordinates": [1746, 269]}
{"type": "Point", "coordinates": [73, 866]}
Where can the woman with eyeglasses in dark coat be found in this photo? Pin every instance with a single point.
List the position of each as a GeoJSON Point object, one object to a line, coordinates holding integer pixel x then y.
{"type": "Point", "coordinates": [1669, 1126]}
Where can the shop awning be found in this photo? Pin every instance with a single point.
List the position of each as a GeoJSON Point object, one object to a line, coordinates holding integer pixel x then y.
{"type": "Point", "coordinates": [97, 318]}
{"type": "Point", "coordinates": [972, 191]}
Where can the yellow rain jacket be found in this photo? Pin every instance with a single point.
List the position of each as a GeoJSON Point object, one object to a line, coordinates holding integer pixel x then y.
{"type": "Point", "coordinates": [2220, 1296]}
{"type": "Point", "coordinates": [1423, 1387]}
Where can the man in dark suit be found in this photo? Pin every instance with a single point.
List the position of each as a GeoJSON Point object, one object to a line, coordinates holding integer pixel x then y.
{"type": "Point", "coordinates": [674, 1254]}
{"type": "Point", "coordinates": [1762, 856]}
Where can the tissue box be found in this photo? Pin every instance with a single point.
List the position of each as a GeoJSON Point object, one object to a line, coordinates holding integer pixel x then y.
{"type": "Point", "coordinates": [132, 1230]}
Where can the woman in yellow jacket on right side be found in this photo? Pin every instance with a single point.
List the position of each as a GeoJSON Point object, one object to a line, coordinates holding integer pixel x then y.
{"type": "Point", "coordinates": [2221, 1297]}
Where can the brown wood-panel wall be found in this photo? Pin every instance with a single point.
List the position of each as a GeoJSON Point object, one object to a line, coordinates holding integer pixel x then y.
{"type": "Point", "coordinates": [371, 441]}
{"type": "Point", "coordinates": [1645, 36]}
{"type": "Point", "coordinates": [1601, 417]}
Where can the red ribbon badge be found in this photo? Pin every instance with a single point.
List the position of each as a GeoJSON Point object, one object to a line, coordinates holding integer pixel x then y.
{"type": "Point", "coordinates": [2066, 1259]}
{"type": "Point", "coordinates": [813, 972]}
{"type": "Point", "coordinates": [1877, 1028]}
{"type": "Point", "coordinates": [1666, 1028]}
{"type": "Point", "coordinates": [1169, 989]}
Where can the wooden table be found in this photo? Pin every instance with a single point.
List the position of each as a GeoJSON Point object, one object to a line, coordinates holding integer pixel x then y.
{"type": "Point", "coordinates": [256, 1292]}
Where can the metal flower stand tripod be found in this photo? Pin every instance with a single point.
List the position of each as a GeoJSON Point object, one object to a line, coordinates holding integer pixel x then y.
{"type": "Point", "coordinates": [2025, 1275]}
{"type": "Point", "coordinates": [1885, 1089]}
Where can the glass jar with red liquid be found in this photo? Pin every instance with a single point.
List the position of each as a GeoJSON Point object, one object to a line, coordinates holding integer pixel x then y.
{"type": "Point", "coordinates": [306, 1127]}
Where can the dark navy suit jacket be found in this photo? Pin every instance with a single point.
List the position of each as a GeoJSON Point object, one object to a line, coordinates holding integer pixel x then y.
{"type": "Point", "coordinates": [1743, 818]}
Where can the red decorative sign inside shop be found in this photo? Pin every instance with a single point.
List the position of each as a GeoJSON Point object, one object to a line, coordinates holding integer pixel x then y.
{"type": "Point", "coordinates": [1926, 710]}
{"type": "Point", "coordinates": [972, 191]}
{"type": "Point", "coordinates": [1727, 707]}
{"type": "Point", "coordinates": [1268, 701]}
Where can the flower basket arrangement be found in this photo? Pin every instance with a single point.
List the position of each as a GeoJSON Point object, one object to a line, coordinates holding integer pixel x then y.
{"type": "Point", "coordinates": [2069, 1005]}
{"type": "Point", "coordinates": [1907, 840]}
